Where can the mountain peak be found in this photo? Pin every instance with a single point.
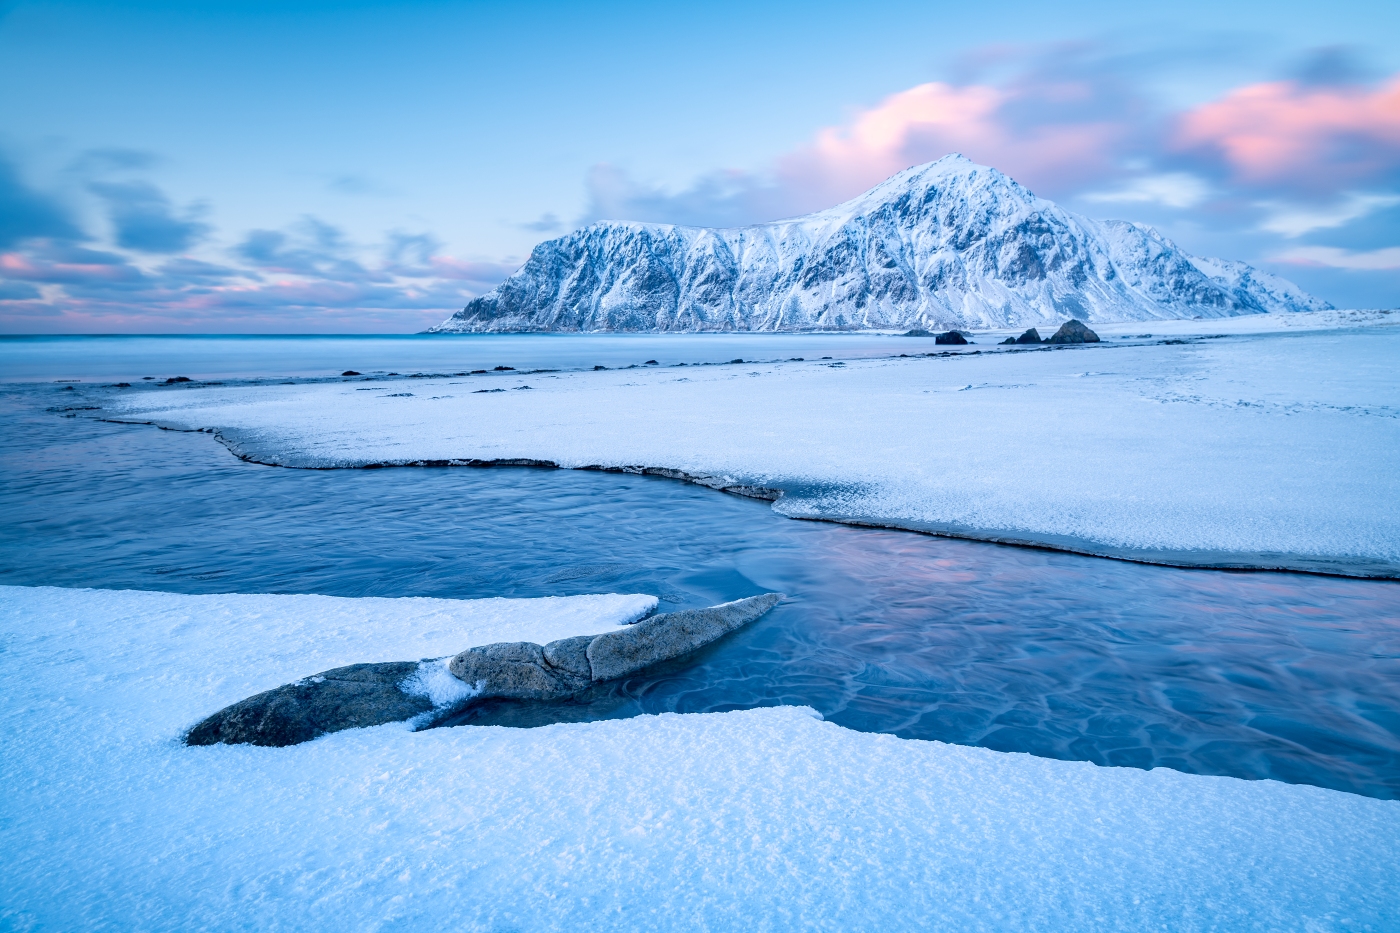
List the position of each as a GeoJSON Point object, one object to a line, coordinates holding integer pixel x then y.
{"type": "Point", "coordinates": [949, 243]}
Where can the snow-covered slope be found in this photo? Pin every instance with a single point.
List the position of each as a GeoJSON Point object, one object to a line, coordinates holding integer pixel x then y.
{"type": "Point", "coordinates": [950, 243]}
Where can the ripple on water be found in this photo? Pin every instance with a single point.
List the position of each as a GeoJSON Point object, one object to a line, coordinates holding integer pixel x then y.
{"type": "Point", "coordinates": [1253, 675]}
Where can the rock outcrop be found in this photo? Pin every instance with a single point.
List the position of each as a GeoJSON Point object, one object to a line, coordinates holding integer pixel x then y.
{"type": "Point", "coordinates": [1073, 332]}
{"type": "Point", "coordinates": [952, 338]}
{"type": "Point", "coordinates": [373, 694]}
{"type": "Point", "coordinates": [526, 671]}
{"type": "Point", "coordinates": [344, 698]}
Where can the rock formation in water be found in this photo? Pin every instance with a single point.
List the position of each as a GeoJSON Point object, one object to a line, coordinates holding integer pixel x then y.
{"type": "Point", "coordinates": [373, 694]}
{"type": "Point", "coordinates": [950, 244]}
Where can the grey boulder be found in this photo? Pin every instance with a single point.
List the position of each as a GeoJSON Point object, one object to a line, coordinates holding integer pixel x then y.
{"type": "Point", "coordinates": [1074, 332]}
{"type": "Point", "coordinates": [344, 698]}
{"type": "Point", "coordinates": [520, 670]}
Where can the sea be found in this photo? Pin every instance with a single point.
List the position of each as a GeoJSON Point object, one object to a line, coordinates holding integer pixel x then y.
{"type": "Point", "coordinates": [1256, 675]}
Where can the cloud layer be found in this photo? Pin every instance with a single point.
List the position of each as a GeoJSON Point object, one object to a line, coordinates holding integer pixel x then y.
{"type": "Point", "coordinates": [55, 276]}
{"type": "Point", "coordinates": [1289, 159]}
{"type": "Point", "coordinates": [1302, 172]}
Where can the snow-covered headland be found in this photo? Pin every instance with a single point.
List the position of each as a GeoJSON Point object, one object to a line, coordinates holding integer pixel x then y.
{"type": "Point", "coordinates": [1276, 445]}
{"type": "Point", "coordinates": [946, 244]}
{"type": "Point", "coordinates": [764, 819]}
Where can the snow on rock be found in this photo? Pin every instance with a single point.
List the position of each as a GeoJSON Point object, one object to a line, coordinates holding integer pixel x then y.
{"type": "Point", "coordinates": [766, 819]}
{"type": "Point", "coordinates": [947, 244]}
{"type": "Point", "coordinates": [1277, 450]}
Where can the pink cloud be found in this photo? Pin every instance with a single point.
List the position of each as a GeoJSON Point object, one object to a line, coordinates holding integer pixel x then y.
{"type": "Point", "coordinates": [1284, 131]}
{"type": "Point", "coordinates": [1005, 127]}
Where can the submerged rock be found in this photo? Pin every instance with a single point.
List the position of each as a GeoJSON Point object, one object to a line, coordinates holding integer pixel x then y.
{"type": "Point", "coordinates": [1074, 332]}
{"type": "Point", "coordinates": [344, 698]}
{"type": "Point", "coordinates": [917, 332]}
{"type": "Point", "coordinates": [951, 337]}
{"type": "Point", "coordinates": [524, 671]}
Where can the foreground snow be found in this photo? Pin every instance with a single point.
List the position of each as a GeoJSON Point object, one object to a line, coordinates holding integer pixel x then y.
{"type": "Point", "coordinates": [1259, 449]}
{"type": "Point", "coordinates": [767, 819]}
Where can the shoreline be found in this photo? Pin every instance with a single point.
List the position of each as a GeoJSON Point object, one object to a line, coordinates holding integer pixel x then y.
{"type": "Point", "coordinates": [1221, 561]}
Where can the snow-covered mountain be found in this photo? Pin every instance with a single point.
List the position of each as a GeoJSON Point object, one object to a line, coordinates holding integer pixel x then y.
{"type": "Point", "coordinates": [947, 244]}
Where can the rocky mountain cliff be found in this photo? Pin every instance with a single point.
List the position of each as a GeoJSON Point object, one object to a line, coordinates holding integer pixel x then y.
{"type": "Point", "coordinates": [947, 244]}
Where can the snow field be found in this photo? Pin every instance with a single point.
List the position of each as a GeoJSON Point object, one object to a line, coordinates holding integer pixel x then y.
{"type": "Point", "coordinates": [1269, 448]}
{"type": "Point", "coordinates": [762, 820]}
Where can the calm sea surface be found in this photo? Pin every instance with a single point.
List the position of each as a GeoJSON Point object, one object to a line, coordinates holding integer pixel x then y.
{"type": "Point", "coordinates": [1254, 675]}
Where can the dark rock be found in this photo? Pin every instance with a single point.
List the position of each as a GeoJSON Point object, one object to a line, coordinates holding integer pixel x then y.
{"type": "Point", "coordinates": [344, 698]}
{"type": "Point", "coordinates": [951, 337]}
{"type": "Point", "coordinates": [596, 368]}
{"type": "Point", "coordinates": [524, 671]}
{"type": "Point", "coordinates": [504, 369]}
{"type": "Point", "coordinates": [1030, 336]}
{"type": "Point", "coordinates": [796, 359]}
{"type": "Point", "coordinates": [123, 385]}
{"type": "Point", "coordinates": [350, 372]}
{"type": "Point", "coordinates": [735, 361]}
{"type": "Point", "coordinates": [1073, 332]}
{"type": "Point", "coordinates": [68, 389]}
{"type": "Point", "coordinates": [1010, 340]}
{"type": "Point", "coordinates": [174, 379]}
{"type": "Point", "coordinates": [917, 332]}
{"type": "Point", "coordinates": [651, 363]}
{"type": "Point", "coordinates": [476, 372]}
{"type": "Point", "coordinates": [147, 378]}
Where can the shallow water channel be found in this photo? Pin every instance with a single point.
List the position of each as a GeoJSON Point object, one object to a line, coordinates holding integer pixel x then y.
{"type": "Point", "coordinates": [1254, 675]}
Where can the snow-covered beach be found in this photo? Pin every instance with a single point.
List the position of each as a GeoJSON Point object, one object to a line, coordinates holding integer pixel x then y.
{"type": "Point", "coordinates": [765, 819]}
{"type": "Point", "coordinates": [1275, 445]}
{"type": "Point", "coordinates": [1277, 439]}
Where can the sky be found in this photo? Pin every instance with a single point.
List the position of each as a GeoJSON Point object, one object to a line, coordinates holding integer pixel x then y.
{"type": "Point", "coordinates": [363, 167]}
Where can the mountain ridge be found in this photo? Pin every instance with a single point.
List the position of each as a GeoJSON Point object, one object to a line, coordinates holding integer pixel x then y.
{"type": "Point", "coordinates": [947, 244]}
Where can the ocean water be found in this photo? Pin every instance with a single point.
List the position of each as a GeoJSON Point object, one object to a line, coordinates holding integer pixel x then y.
{"type": "Point", "coordinates": [1254, 675]}
{"type": "Point", "coordinates": [130, 358]}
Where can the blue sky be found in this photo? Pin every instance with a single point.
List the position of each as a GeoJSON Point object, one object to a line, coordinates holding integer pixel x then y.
{"type": "Point", "coordinates": [343, 167]}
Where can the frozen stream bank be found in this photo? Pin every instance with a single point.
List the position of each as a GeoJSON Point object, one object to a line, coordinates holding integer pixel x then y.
{"type": "Point", "coordinates": [1252, 675]}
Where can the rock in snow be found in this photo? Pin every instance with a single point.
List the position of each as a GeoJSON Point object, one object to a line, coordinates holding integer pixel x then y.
{"type": "Point", "coordinates": [351, 697]}
{"type": "Point", "coordinates": [949, 244]}
{"type": "Point", "coordinates": [1073, 332]}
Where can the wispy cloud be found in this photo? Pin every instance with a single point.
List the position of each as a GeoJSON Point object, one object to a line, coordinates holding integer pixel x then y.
{"type": "Point", "coordinates": [309, 275]}
{"type": "Point", "coordinates": [144, 219]}
{"type": "Point", "coordinates": [1336, 258]}
{"type": "Point", "coordinates": [1170, 189]}
{"type": "Point", "coordinates": [27, 213]}
{"type": "Point", "coordinates": [1294, 220]}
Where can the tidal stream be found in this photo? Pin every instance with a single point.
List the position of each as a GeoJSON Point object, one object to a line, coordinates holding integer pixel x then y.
{"type": "Point", "coordinates": [1253, 675]}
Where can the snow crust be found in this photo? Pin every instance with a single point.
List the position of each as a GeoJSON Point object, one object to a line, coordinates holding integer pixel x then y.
{"type": "Point", "coordinates": [767, 819]}
{"type": "Point", "coordinates": [1247, 447]}
{"type": "Point", "coordinates": [949, 243]}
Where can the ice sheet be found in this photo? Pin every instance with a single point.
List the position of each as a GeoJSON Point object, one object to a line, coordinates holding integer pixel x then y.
{"type": "Point", "coordinates": [1242, 448]}
{"type": "Point", "coordinates": [761, 820]}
